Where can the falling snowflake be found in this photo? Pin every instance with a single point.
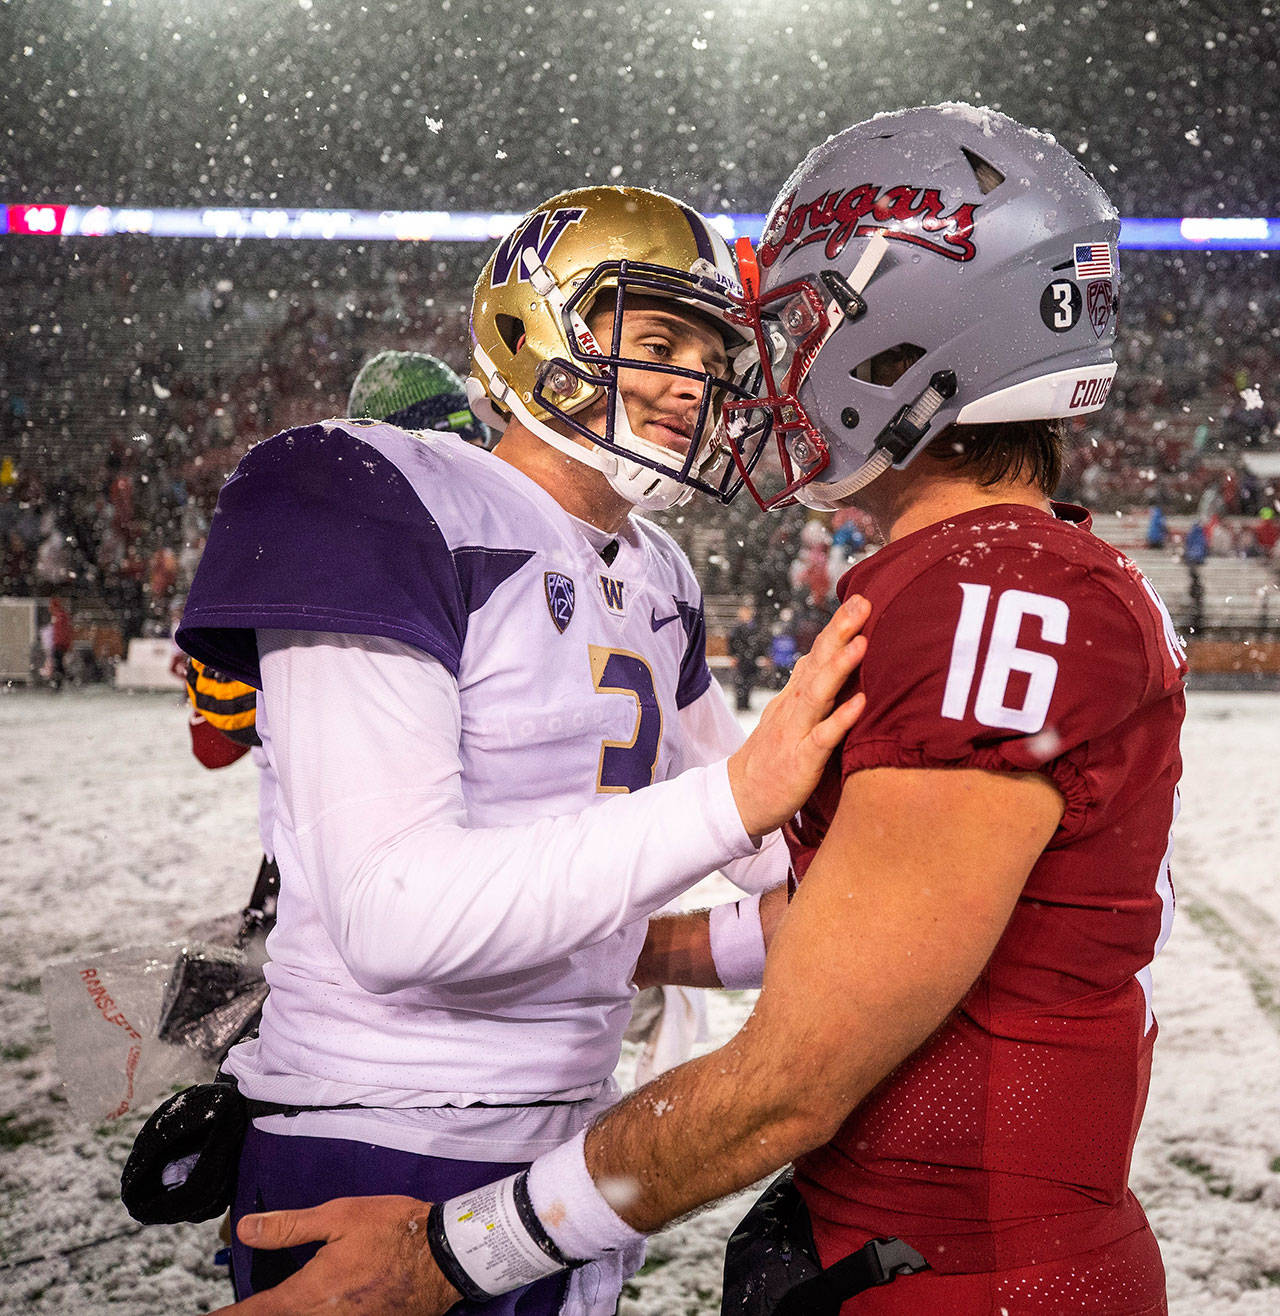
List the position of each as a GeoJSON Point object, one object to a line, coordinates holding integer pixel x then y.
{"type": "Point", "coordinates": [434, 125]}
{"type": "Point", "coordinates": [1252, 398]}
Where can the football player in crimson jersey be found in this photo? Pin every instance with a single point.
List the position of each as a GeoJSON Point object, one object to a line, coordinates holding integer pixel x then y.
{"type": "Point", "coordinates": [953, 1041]}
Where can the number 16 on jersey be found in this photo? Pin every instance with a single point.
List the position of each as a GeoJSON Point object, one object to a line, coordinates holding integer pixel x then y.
{"type": "Point", "coordinates": [1002, 656]}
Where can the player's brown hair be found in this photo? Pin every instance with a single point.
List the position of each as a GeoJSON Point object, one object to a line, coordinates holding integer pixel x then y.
{"type": "Point", "coordinates": [1011, 450]}
{"type": "Point", "coordinates": [989, 454]}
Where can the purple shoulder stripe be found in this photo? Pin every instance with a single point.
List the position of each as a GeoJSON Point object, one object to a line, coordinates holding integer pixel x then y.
{"type": "Point", "coordinates": [481, 570]}
{"type": "Point", "coordinates": [695, 675]}
{"type": "Point", "coordinates": [317, 531]}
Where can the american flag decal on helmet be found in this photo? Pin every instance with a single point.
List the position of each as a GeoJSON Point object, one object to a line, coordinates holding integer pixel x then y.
{"type": "Point", "coordinates": [559, 598]}
{"type": "Point", "coordinates": [1093, 260]}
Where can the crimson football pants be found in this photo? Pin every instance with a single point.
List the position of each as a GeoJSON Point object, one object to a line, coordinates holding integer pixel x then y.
{"type": "Point", "coordinates": [1125, 1278]}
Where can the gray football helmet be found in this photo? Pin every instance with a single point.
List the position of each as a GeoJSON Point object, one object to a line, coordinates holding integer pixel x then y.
{"type": "Point", "coordinates": [946, 236]}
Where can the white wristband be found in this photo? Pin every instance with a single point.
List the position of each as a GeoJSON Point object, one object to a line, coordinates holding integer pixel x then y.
{"type": "Point", "coordinates": [573, 1210]}
{"type": "Point", "coordinates": [737, 943]}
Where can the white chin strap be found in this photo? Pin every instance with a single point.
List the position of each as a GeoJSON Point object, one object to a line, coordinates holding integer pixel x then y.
{"type": "Point", "coordinates": [643, 487]}
{"type": "Point", "coordinates": [830, 497]}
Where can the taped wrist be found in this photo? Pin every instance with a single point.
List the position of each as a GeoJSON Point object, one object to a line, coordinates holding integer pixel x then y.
{"type": "Point", "coordinates": [737, 943]}
{"type": "Point", "coordinates": [490, 1241]}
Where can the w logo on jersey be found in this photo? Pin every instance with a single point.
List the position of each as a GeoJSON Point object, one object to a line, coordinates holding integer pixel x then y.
{"type": "Point", "coordinates": [559, 598]}
{"type": "Point", "coordinates": [613, 593]}
{"type": "Point", "coordinates": [535, 235]}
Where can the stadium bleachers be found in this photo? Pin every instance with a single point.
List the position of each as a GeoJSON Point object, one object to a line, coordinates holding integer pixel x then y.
{"type": "Point", "coordinates": [1237, 594]}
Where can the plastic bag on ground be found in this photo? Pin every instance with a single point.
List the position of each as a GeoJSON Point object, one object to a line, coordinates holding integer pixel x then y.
{"type": "Point", "coordinates": [130, 1026]}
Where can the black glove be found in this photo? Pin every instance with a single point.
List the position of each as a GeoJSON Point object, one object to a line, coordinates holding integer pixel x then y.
{"type": "Point", "coordinates": [184, 1160]}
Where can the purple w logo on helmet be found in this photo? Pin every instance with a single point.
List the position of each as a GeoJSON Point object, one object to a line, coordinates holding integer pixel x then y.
{"type": "Point", "coordinates": [535, 235]}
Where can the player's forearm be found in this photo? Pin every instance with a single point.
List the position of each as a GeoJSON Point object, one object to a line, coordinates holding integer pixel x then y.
{"type": "Point", "coordinates": [697, 1133]}
{"type": "Point", "coordinates": [721, 947]}
{"type": "Point", "coordinates": [705, 1129]}
{"type": "Point", "coordinates": [677, 952]}
{"type": "Point", "coordinates": [455, 903]}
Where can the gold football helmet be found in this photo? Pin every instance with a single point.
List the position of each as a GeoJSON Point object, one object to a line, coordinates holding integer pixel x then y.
{"type": "Point", "coordinates": [533, 357]}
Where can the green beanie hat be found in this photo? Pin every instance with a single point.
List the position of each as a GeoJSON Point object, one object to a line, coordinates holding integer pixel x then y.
{"type": "Point", "coordinates": [415, 391]}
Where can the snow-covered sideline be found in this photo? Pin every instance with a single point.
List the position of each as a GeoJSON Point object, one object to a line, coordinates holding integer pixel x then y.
{"type": "Point", "coordinates": [113, 835]}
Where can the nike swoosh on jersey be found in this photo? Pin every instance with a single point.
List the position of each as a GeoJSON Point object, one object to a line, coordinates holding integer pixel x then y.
{"type": "Point", "coordinates": [657, 623]}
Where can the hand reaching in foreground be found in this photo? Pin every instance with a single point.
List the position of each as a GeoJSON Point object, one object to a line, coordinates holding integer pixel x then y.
{"type": "Point", "coordinates": [775, 771]}
{"type": "Point", "coordinates": [375, 1261]}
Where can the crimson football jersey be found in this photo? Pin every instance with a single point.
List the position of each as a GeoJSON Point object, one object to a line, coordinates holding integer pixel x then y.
{"type": "Point", "coordinates": [1011, 639]}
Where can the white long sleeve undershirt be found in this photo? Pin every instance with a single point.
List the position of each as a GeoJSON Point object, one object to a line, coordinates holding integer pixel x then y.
{"type": "Point", "coordinates": [365, 737]}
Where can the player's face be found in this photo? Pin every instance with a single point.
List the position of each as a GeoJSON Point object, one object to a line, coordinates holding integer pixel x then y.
{"type": "Point", "coordinates": [661, 407]}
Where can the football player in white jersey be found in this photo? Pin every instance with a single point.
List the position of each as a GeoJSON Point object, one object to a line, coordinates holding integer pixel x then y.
{"type": "Point", "coordinates": [485, 693]}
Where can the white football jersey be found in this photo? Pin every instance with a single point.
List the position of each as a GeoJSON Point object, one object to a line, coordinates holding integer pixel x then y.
{"type": "Point", "coordinates": [462, 698]}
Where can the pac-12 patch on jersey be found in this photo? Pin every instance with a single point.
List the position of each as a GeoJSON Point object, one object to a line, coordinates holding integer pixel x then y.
{"type": "Point", "coordinates": [559, 590]}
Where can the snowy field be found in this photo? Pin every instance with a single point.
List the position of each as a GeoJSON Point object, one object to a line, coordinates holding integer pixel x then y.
{"type": "Point", "coordinates": [113, 835]}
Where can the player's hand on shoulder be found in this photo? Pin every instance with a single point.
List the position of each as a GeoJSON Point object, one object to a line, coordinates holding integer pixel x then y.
{"type": "Point", "coordinates": [374, 1260]}
{"type": "Point", "coordinates": [780, 763]}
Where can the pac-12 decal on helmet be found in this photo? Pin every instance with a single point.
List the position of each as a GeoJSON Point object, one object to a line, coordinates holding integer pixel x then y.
{"type": "Point", "coordinates": [1099, 297]}
{"type": "Point", "coordinates": [957, 274]}
{"type": "Point", "coordinates": [534, 358]}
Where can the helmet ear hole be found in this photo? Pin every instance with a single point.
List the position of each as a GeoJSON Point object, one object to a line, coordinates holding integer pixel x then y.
{"type": "Point", "coordinates": [887, 367]}
{"type": "Point", "coordinates": [988, 176]}
{"type": "Point", "coordinates": [511, 330]}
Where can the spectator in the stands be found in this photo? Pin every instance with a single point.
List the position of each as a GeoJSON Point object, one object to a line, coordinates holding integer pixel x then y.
{"type": "Point", "coordinates": [1157, 527]}
{"type": "Point", "coordinates": [746, 646]}
{"type": "Point", "coordinates": [53, 558]}
{"type": "Point", "coordinates": [61, 636]}
{"type": "Point", "coordinates": [15, 565]}
{"type": "Point", "coordinates": [1267, 532]}
{"type": "Point", "coordinates": [782, 648]}
{"type": "Point", "coordinates": [1195, 548]}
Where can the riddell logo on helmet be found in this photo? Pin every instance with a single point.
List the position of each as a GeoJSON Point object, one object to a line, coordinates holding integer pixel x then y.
{"type": "Point", "coordinates": [839, 216]}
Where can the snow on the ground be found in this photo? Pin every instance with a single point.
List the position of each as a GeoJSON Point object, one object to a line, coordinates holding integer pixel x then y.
{"type": "Point", "coordinates": [113, 835]}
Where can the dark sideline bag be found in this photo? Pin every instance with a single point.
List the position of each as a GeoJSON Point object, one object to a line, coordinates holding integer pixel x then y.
{"type": "Point", "coordinates": [771, 1265]}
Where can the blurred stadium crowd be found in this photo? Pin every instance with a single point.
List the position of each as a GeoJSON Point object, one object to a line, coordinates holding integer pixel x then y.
{"type": "Point", "coordinates": [147, 369]}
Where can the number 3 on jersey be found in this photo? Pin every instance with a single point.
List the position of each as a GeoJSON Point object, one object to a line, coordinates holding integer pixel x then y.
{"type": "Point", "coordinates": [627, 765]}
{"type": "Point", "coordinates": [992, 706]}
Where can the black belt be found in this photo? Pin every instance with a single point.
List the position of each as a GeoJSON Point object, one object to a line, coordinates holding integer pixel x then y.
{"type": "Point", "coordinates": [874, 1263]}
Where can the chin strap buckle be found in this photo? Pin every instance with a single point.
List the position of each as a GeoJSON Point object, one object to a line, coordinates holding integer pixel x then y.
{"type": "Point", "coordinates": [543, 281]}
{"type": "Point", "coordinates": [912, 423]}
